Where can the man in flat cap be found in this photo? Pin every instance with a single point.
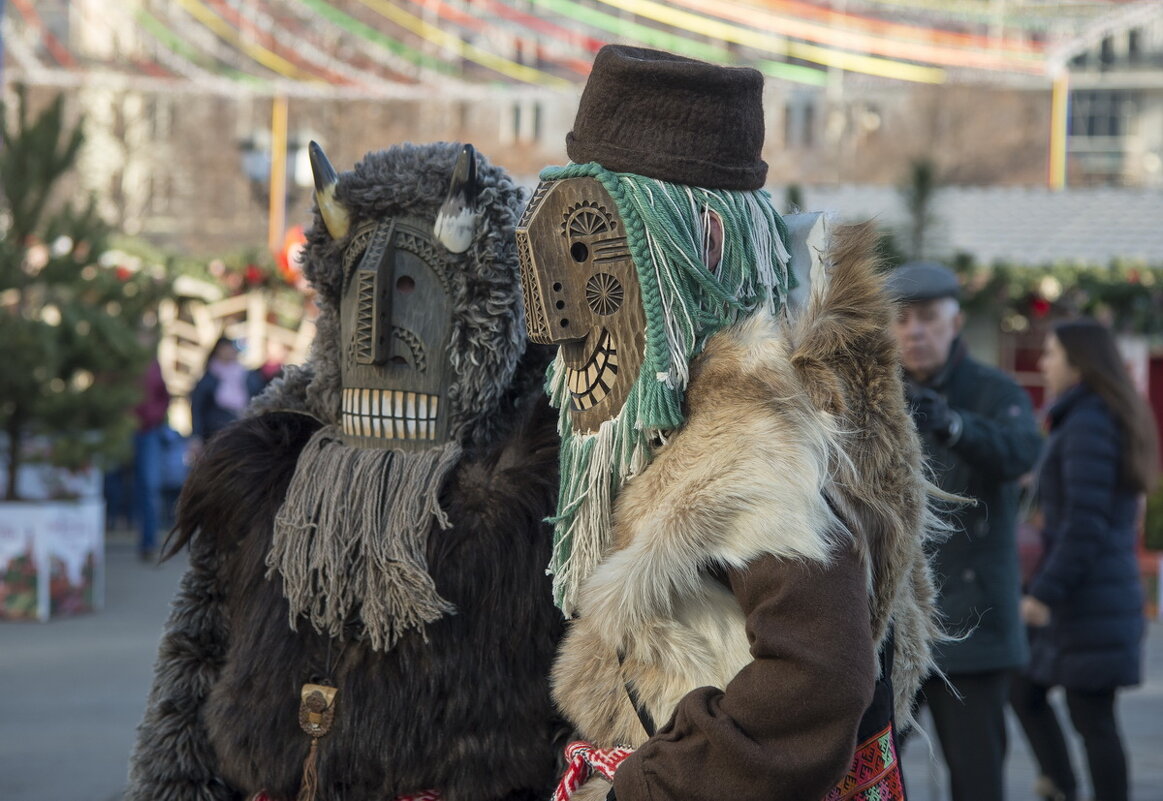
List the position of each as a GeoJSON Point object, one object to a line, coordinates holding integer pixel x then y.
{"type": "Point", "coordinates": [980, 436]}
{"type": "Point", "coordinates": [742, 508]}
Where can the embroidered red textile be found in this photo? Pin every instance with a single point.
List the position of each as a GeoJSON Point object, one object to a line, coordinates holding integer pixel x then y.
{"type": "Point", "coordinates": [584, 759]}
{"type": "Point", "coordinates": [875, 772]}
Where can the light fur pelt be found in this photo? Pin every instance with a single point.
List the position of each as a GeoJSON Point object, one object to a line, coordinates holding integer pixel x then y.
{"type": "Point", "coordinates": [797, 440]}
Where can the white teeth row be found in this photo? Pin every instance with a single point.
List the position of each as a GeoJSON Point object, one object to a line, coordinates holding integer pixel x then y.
{"type": "Point", "coordinates": [586, 379]}
{"type": "Point", "coordinates": [389, 414]}
{"type": "Point", "coordinates": [590, 385]}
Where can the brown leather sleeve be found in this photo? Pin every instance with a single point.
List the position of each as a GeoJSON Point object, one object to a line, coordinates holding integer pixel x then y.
{"type": "Point", "coordinates": [785, 727]}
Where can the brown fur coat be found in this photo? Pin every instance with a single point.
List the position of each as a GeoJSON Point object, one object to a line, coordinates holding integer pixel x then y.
{"type": "Point", "coordinates": [797, 451]}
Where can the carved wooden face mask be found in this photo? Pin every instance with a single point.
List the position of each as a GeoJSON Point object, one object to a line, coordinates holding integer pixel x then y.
{"type": "Point", "coordinates": [582, 293]}
{"type": "Point", "coordinates": [396, 316]}
{"type": "Point", "coordinates": [395, 322]}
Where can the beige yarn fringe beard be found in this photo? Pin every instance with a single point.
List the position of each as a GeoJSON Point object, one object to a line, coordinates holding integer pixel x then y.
{"type": "Point", "coordinates": [352, 537]}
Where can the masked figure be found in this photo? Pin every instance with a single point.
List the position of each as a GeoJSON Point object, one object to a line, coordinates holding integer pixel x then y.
{"type": "Point", "coordinates": [742, 507]}
{"type": "Point", "coordinates": [366, 614]}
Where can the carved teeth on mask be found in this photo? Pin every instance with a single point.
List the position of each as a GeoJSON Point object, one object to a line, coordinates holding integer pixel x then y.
{"type": "Point", "coordinates": [389, 414]}
{"type": "Point", "coordinates": [456, 221]}
{"type": "Point", "coordinates": [590, 384]}
{"type": "Point", "coordinates": [335, 216]}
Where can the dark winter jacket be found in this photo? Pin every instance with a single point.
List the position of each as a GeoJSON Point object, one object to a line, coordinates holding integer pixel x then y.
{"type": "Point", "coordinates": [1088, 575]}
{"type": "Point", "coordinates": [977, 566]}
{"type": "Point", "coordinates": [207, 417]}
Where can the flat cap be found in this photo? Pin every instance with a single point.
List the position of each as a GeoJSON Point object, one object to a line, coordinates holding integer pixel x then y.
{"type": "Point", "coordinates": [922, 280]}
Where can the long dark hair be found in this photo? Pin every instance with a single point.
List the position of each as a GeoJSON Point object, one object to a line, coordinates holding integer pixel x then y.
{"type": "Point", "coordinates": [1091, 349]}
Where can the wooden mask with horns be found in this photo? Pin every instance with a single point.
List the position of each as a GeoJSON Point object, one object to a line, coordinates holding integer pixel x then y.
{"type": "Point", "coordinates": [396, 311]}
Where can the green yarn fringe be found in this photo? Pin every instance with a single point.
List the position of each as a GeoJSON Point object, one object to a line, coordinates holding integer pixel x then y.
{"type": "Point", "coordinates": [685, 304]}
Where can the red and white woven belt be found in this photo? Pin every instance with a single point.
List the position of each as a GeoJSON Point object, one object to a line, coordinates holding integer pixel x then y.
{"type": "Point", "coordinates": [584, 760]}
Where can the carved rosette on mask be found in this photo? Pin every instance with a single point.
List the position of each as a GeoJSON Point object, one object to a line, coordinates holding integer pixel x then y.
{"type": "Point", "coordinates": [616, 271]}
{"type": "Point", "coordinates": [583, 294]}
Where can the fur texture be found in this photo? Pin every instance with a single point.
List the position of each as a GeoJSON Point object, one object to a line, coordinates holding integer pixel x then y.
{"type": "Point", "coordinates": [465, 710]}
{"type": "Point", "coordinates": [786, 423]}
{"type": "Point", "coordinates": [488, 314]}
{"type": "Point", "coordinates": [879, 486]}
{"type": "Point", "coordinates": [461, 706]}
{"type": "Point", "coordinates": [351, 536]}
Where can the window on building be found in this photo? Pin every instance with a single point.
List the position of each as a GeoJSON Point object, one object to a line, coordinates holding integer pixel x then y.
{"type": "Point", "coordinates": [1106, 55]}
{"type": "Point", "coordinates": [1097, 113]}
{"type": "Point", "coordinates": [160, 113]}
{"type": "Point", "coordinates": [799, 122]}
{"type": "Point", "coordinates": [526, 121]}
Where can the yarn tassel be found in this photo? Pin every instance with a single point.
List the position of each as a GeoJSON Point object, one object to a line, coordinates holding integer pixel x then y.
{"type": "Point", "coordinates": [309, 785]}
{"type": "Point", "coordinates": [352, 537]}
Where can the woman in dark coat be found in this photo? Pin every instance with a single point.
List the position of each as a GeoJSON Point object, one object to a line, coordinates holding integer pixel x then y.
{"type": "Point", "coordinates": [1084, 602]}
{"type": "Point", "coordinates": [221, 394]}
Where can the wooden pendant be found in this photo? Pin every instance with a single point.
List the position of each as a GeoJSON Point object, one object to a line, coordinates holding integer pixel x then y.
{"type": "Point", "coordinates": [316, 714]}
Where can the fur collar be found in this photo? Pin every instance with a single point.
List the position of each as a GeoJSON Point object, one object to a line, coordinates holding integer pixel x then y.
{"type": "Point", "coordinates": [797, 441]}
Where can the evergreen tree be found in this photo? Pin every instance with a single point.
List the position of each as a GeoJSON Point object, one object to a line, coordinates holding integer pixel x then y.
{"type": "Point", "coordinates": [918, 192]}
{"type": "Point", "coordinates": [69, 320]}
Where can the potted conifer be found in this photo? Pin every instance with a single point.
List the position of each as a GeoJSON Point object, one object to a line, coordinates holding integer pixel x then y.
{"type": "Point", "coordinates": [70, 367]}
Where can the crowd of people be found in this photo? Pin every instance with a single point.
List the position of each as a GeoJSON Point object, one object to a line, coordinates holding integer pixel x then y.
{"type": "Point", "coordinates": [1076, 622]}
{"type": "Point", "coordinates": [773, 532]}
{"type": "Point", "coordinates": [143, 494]}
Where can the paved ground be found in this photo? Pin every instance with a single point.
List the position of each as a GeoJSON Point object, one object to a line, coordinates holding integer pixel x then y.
{"type": "Point", "coordinates": [1140, 712]}
{"type": "Point", "coordinates": [73, 691]}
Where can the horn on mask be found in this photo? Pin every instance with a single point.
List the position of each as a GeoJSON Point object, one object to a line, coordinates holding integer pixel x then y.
{"type": "Point", "coordinates": [456, 220]}
{"type": "Point", "coordinates": [335, 216]}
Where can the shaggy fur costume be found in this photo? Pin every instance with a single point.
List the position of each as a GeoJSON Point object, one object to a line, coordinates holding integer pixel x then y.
{"type": "Point", "coordinates": [460, 705]}
{"type": "Point", "coordinates": [466, 711]}
{"type": "Point", "coordinates": [488, 321]}
{"type": "Point", "coordinates": [797, 446]}
{"type": "Point", "coordinates": [351, 535]}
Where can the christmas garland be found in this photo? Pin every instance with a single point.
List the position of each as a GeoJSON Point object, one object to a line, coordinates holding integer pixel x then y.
{"type": "Point", "coordinates": [1126, 294]}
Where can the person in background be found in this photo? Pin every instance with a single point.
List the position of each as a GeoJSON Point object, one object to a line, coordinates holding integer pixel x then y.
{"type": "Point", "coordinates": [980, 436]}
{"type": "Point", "coordinates": [221, 394]}
{"type": "Point", "coordinates": [174, 466]}
{"type": "Point", "coordinates": [1084, 603]}
{"type": "Point", "coordinates": [258, 378]}
{"type": "Point", "coordinates": [147, 457]}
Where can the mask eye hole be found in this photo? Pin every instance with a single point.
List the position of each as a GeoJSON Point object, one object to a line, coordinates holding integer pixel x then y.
{"type": "Point", "coordinates": [405, 284]}
{"type": "Point", "coordinates": [579, 251]}
{"type": "Point", "coordinates": [399, 360]}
